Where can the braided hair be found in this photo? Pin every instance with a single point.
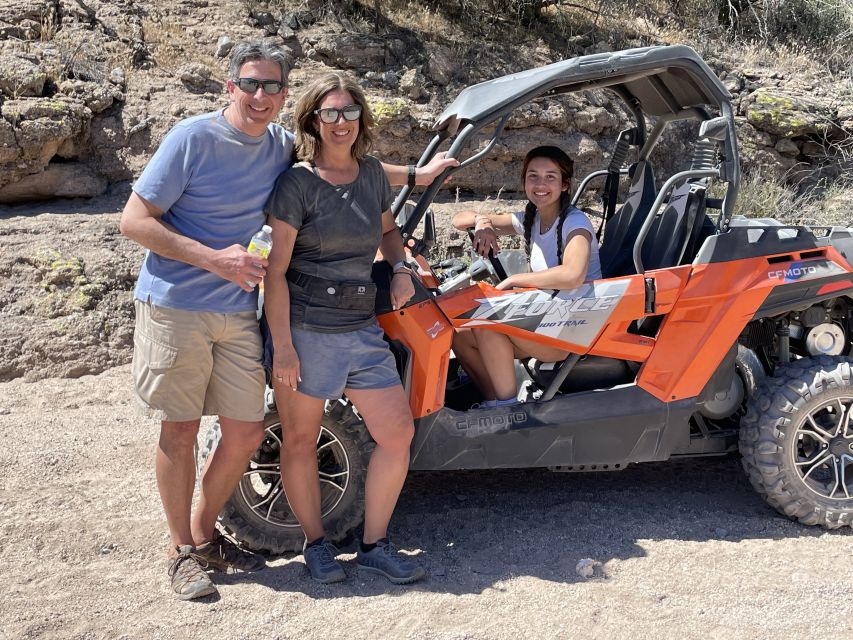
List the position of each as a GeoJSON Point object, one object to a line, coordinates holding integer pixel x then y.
{"type": "Point", "coordinates": [567, 168]}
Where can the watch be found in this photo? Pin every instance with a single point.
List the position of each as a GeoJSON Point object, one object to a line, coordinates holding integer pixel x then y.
{"type": "Point", "coordinates": [401, 267]}
{"type": "Point", "coordinates": [412, 176]}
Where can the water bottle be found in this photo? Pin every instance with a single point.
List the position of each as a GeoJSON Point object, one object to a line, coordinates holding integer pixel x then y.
{"type": "Point", "coordinates": [260, 245]}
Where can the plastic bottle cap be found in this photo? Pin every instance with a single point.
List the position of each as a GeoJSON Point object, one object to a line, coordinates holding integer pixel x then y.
{"type": "Point", "coordinates": [266, 228]}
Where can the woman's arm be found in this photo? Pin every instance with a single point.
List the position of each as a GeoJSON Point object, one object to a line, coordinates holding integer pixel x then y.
{"type": "Point", "coordinates": [398, 174]}
{"type": "Point", "coordinates": [569, 275]}
{"type": "Point", "coordinates": [392, 249]}
{"type": "Point", "coordinates": [285, 368]}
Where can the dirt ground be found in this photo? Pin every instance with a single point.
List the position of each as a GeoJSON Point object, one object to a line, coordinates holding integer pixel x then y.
{"type": "Point", "coordinates": [687, 550]}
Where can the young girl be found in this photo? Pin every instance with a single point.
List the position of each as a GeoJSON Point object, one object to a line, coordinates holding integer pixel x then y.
{"type": "Point", "coordinates": [563, 254]}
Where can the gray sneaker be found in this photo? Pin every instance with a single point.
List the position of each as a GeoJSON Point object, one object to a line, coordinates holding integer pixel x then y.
{"type": "Point", "coordinates": [386, 561]}
{"type": "Point", "coordinates": [221, 554]}
{"type": "Point", "coordinates": [189, 579]}
{"type": "Point", "coordinates": [321, 563]}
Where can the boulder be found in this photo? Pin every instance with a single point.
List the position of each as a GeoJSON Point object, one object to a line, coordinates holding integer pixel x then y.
{"type": "Point", "coordinates": [440, 66]}
{"type": "Point", "coordinates": [789, 112]}
{"type": "Point", "coordinates": [40, 128]}
{"type": "Point", "coordinates": [787, 147]}
{"type": "Point", "coordinates": [391, 116]}
{"type": "Point", "coordinates": [96, 96]}
{"type": "Point", "coordinates": [20, 77]}
{"type": "Point", "coordinates": [21, 19]}
{"type": "Point", "coordinates": [61, 180]}
{"type": "Point", "coordinates": [412, 84]}
{"type": "Point", "coordinates": [197, 78]}
{"type": "Point", "coordinates": [350, 51]}
{"type": "Point", "coordinates": [9, 149]}
{"type": "Point", "coordinates": [223, 46]}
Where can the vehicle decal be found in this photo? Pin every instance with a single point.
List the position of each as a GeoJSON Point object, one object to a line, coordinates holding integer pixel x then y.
{"type": "Point", "coordinates": [434, 330]}
{"type": "Point", "coordinates": [573, 315]}
{"type": "Point", "coordinates": [806, 270]}
{"type": "Point", "coordinates": [476, 425]}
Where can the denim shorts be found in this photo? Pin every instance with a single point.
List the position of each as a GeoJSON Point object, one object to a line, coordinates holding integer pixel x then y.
{"type": "Point", "coordinates": [332, 362]}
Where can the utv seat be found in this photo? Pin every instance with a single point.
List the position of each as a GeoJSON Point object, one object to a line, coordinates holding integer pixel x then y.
{"type": "Point", "coordinates": [620, 232]}
{"type": "Point", "coordinates": [675, 235]}
{"type": "Point", "coordinates": [679, 229]}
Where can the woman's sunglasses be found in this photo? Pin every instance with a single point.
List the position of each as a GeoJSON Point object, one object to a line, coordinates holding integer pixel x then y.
{"type": "Point", "coordinates": [250, 85]}
{"type": "Point", "coordinates": [330, 116]}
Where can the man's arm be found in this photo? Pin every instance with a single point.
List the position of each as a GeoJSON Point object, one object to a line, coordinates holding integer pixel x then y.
{"type": "Point", "coordinates": [398, 174]}
{"type": "Point", "coordinates": [140, 221]}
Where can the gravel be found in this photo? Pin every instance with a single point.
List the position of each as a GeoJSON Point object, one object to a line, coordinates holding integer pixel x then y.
{"type": "Point", "coordinates": [84, 540]}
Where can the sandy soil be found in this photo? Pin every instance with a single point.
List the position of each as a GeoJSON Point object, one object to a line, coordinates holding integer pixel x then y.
{"type": "Point", "coordinates": [687, 550]}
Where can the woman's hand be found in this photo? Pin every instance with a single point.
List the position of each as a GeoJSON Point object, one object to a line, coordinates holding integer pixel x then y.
{"type": "Point", "coordinates": [402, 289]}
{"type": "Point", "coordinates": [285, 367]}
{"type": "Point", "coordinates": [432, 169]}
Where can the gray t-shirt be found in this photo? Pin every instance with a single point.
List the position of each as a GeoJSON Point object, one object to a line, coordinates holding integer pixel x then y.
{"type": "Point", "coordinates": [339, 228]}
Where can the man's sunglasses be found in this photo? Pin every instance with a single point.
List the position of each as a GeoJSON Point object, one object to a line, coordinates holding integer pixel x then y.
{"type": "Point", "coordinates": [250, 85]}
{"type": "Point", "coordinates": [330, 116]}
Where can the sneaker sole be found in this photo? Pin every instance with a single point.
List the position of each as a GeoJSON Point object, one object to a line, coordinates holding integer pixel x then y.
{"type": "Point", "coordinates": [231, 570]}
{"type": "Point", "coordinates": [330, 580]}
{"type": "Point", "coordinates": [394, 579]}
{"type": "Point", "coordinates": [207, 591]}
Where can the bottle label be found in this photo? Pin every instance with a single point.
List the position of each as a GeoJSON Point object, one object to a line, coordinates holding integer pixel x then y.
{"type": "Point", "coordinates": [259, 249]}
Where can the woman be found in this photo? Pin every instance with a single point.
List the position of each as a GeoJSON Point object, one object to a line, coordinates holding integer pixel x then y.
{"type": "Point", "coordinates": [329, 215]}
{"type": "Point", "coordinates": [563, 254]}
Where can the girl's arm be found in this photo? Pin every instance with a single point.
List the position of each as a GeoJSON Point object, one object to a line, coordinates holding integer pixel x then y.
{"type": "Point", "coordinates": [391, 248]}
{"type": "Point", "coordinates": [285, 368]}
{"type": "Point", "coordinates": [569, 275]}
{"type": "Point", "coordinates": [487, 227]}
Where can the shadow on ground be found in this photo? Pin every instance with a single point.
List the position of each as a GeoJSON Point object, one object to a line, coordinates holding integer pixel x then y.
{"type": "Point", "coordinates": [477, 529]}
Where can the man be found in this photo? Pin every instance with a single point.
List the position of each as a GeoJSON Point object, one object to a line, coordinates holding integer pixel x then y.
{"type": "Point", "coordinates": [197, 349]}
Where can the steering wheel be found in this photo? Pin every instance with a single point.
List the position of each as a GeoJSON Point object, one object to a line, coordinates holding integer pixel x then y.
{"type": "Point", "coordinates": [496, 268]}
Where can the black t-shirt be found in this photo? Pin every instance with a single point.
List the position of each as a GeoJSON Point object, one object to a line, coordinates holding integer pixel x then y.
{"type": "Point", "coordinates": [339, 228]}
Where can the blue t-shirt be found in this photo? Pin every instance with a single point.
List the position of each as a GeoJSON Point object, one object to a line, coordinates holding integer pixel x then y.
{"type": "Point", "coordinates": [211, 180]}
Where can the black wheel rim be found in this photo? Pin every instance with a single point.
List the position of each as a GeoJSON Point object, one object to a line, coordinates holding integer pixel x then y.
{"type": "Point", "coordinates": [261, 487]}
{"type": "Point", "coordinates": [823, 449]}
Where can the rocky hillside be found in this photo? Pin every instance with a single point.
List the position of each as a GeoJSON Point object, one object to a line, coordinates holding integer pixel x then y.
{"type": "Point", "coordinates": [87, 91]}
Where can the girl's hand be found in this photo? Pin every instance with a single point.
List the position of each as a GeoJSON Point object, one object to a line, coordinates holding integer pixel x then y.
{"type": "Point", "coordinates": [486, 241]}
{"type": "Point", "coordinates": [285, 367]}
{"type": "Point", "coordinates": [509, 283]}
{"type": "Point", "coordinates": [402, 289]}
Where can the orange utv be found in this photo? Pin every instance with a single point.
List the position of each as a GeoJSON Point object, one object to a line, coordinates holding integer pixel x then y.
{"type": "Point", "coordinates": [708, 334]}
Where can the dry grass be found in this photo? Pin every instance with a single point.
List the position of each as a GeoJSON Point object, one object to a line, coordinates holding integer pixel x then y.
{"type": "Point", "coordinates": [825, 204]}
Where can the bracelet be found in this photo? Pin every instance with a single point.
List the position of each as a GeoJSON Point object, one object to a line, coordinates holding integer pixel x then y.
{"type": "Point", "coordinates": [479, 219]}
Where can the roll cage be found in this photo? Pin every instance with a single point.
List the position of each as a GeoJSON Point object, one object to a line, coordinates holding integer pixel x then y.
{"type": "Point", "coordinates": [668, 83]}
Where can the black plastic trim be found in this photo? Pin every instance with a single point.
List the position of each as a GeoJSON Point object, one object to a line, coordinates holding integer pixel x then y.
{"type": "Point", "coordinates": [615, 426]}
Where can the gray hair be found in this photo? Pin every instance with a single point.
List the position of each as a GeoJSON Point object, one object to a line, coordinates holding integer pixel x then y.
{"type": "Point", "coordinates": [251, 50]}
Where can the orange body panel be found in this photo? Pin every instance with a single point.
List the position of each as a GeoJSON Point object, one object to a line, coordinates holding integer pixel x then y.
{"type": "Point", "coordinates": [427, 334]}
{"type": "Point", "coordinates": [704, 309]}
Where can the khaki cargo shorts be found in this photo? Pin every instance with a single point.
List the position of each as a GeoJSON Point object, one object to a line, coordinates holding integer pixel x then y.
{"type": "Point", "coordinates": [192, 363]}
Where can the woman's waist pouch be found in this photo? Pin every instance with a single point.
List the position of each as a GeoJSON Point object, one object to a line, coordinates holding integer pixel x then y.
{"type": "Point", "coordinates": [360, 296]}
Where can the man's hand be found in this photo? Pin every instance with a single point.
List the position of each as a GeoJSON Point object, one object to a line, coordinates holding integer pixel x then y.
{"type": "Point", "coordinates": [239, 266]}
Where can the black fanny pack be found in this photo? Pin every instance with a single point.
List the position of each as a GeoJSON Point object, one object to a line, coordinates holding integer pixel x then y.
{"type": "Point", "coordinates": [360, 296]}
